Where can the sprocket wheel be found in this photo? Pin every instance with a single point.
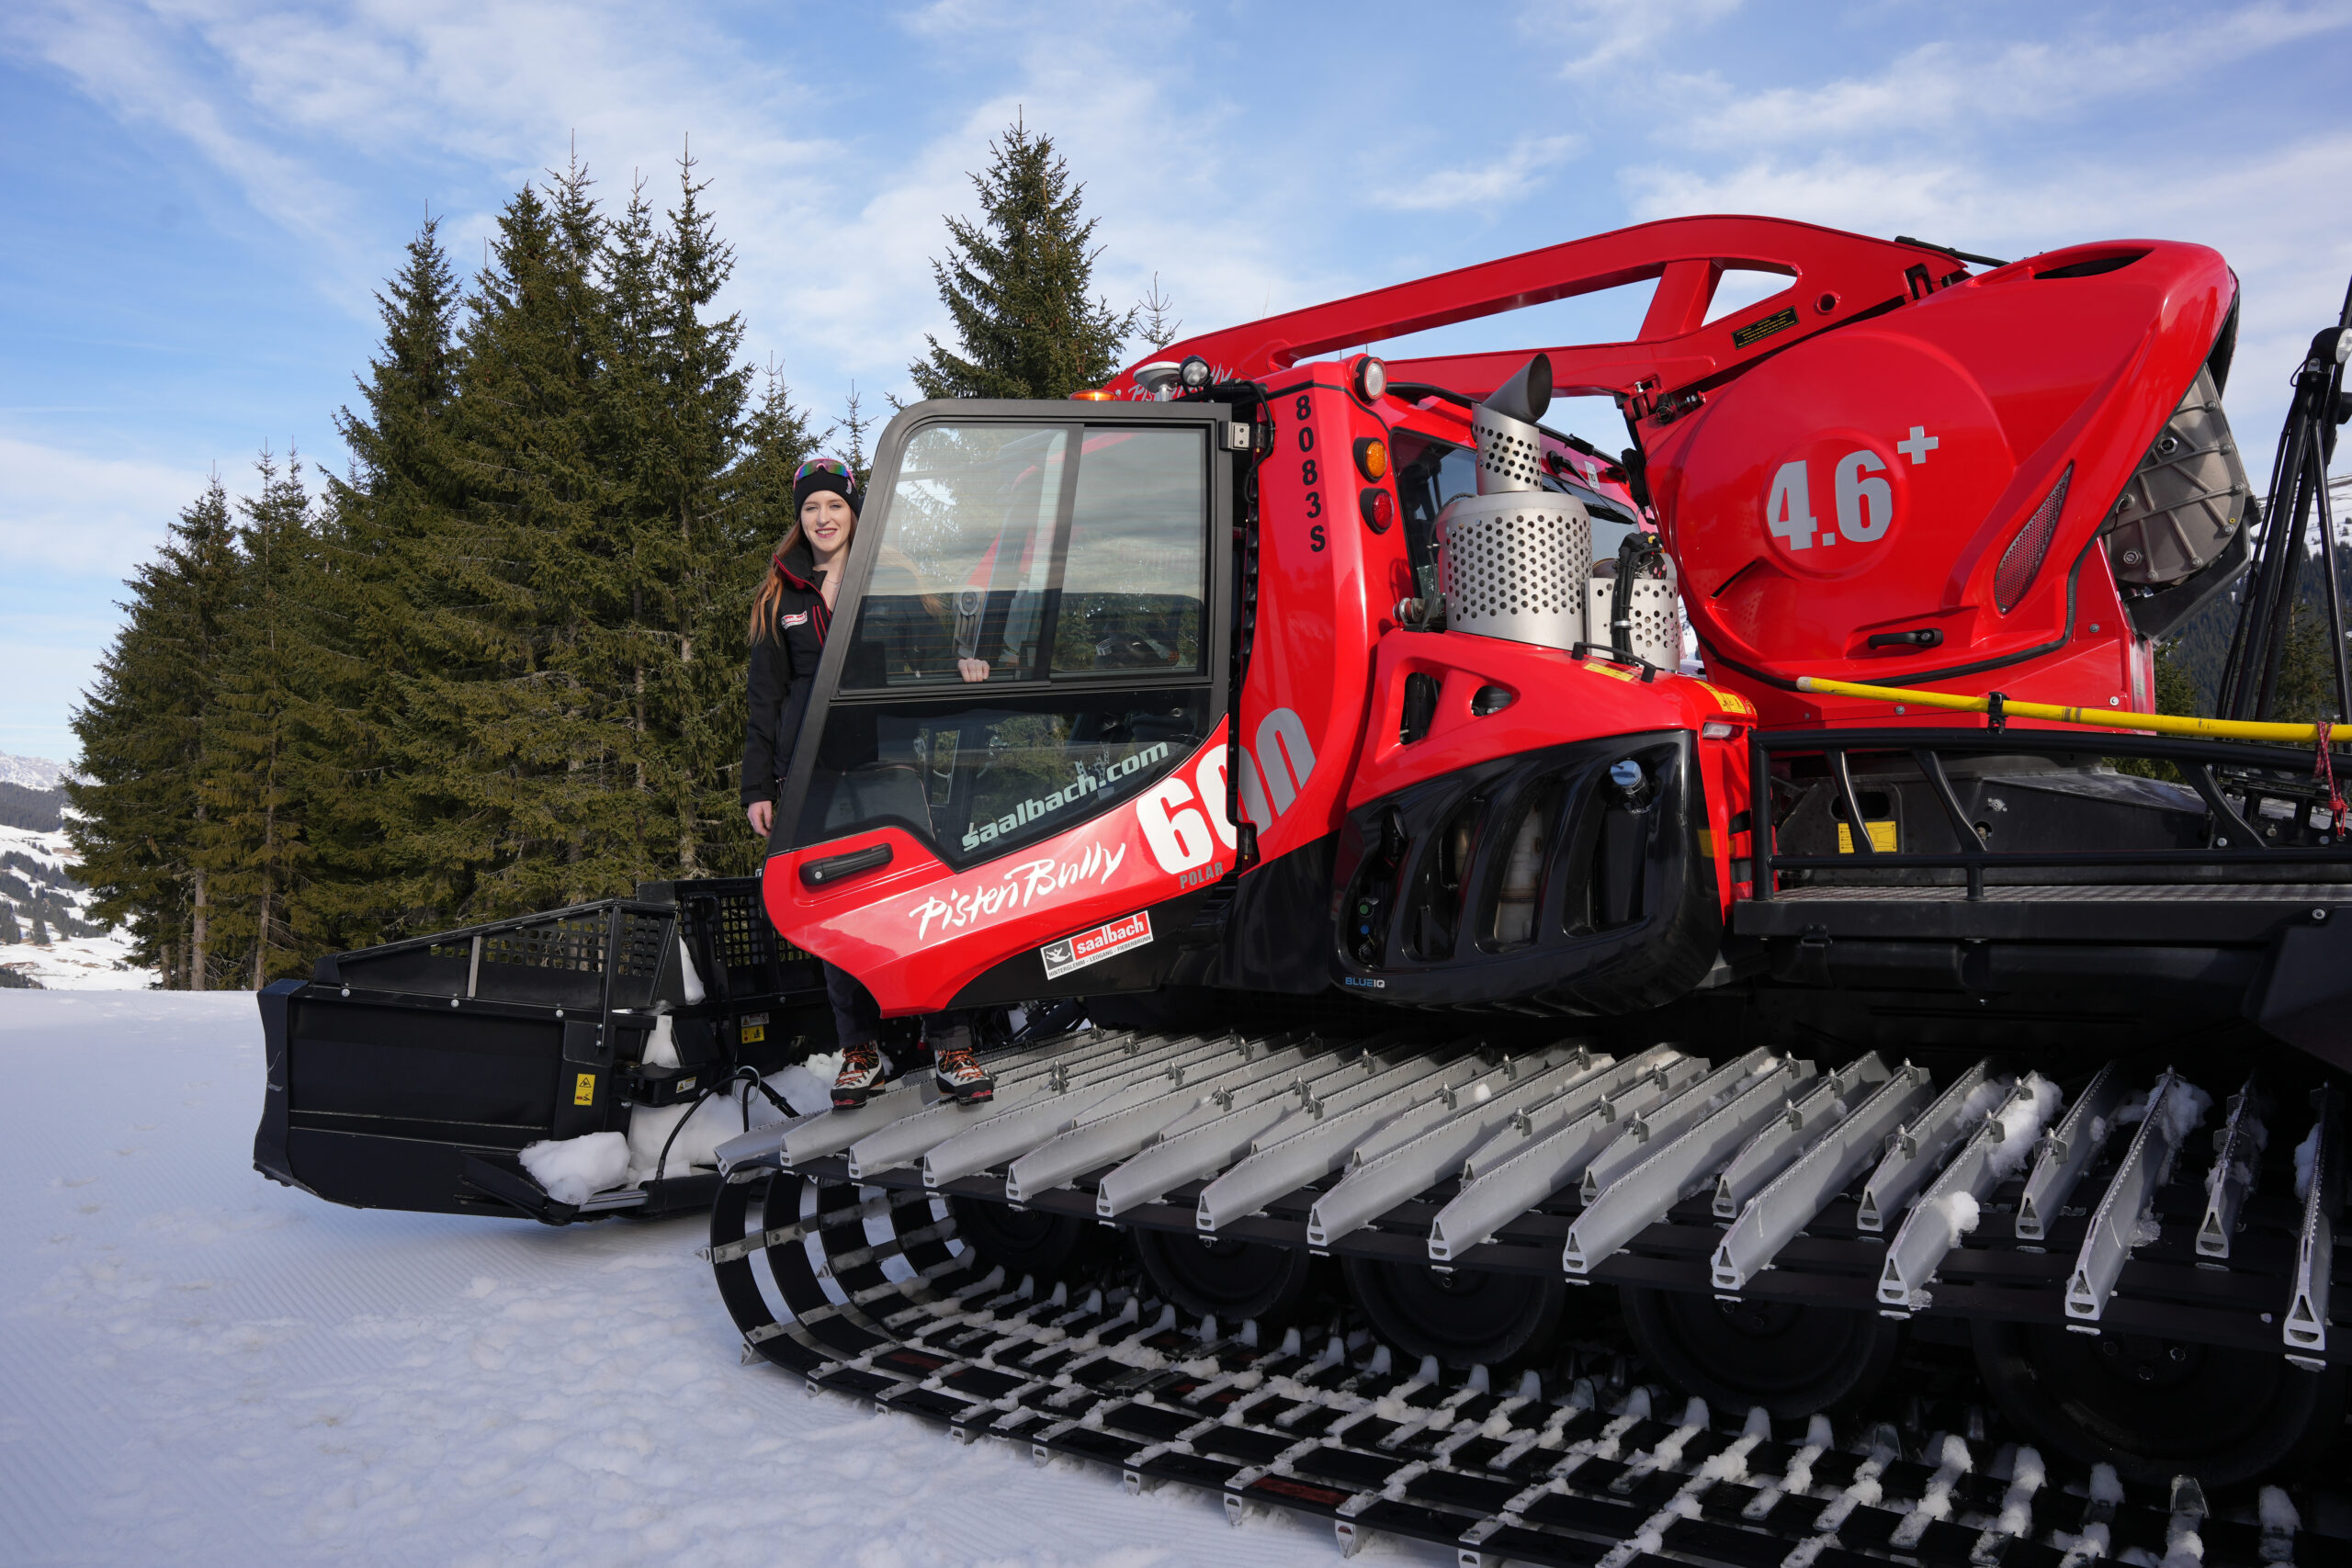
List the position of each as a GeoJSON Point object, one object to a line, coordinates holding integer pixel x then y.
{"type": "Point", "coordinates": [1792, 1361]}
{"type": "Point", "coordinates": [1231, 1280]}
{"type": "Point", "coordinates": [1044, 1247]}
{"type": "Point", "coordinates": [2156, 1408]}
{"type": "Point", "coordinates": [1465, 1317]}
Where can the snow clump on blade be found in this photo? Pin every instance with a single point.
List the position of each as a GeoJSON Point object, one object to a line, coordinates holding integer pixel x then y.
{"type": "Point", "coordinates": [2185, 1108]}
{"type": "Point", "coordinates": [1982, 1099]}
{"type": "Point", "coordinates": [2021, 1122]}
{"type": "Point", "coordinates": [571, 1169]}
{"type": "Point", "coordinates": [1956, 1212]}
{"type": "Point", "coordinates": [2306, 1156]}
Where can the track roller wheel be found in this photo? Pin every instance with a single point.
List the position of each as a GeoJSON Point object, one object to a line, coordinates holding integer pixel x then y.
{"type": "Point", "coordinates": [1792, 1361]}
{"type": "Point", "coordinates": [1231, 1280]}
{"type": "Point", "coordinates": [2157, 1408]}
{"type": "Point", "coordinates": [1023, 1241]}
{"type": "Point", "coordinates": [1467, 1317]}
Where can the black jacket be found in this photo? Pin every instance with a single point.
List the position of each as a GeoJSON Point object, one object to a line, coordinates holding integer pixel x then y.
{"type": "Point", "coordinates": [784, 670]}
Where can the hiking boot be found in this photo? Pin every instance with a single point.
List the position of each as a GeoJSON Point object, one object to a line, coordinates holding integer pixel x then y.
{"type": "Point", "coordinates": [960, 1074]}
{"type": "Point", "coordinates": [861, 1076]}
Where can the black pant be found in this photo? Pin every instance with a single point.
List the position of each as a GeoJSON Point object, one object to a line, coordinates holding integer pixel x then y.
{"type": "Point", "coordinates": [857, 1017]}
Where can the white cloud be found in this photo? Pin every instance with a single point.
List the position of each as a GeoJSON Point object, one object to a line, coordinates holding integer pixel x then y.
{"type": "Point", "coordinates": [77, 512]}
{"type": "Point", "coordinates": [1965, 83]}
{"type": "Point", "coordinates": [73, 527]}
{"type": "Point", "coordinates": [1616, 33]}
{"type": "Point", "coordinates": [834, 230]}
{"type": "Point", "coordinates": [1513, 176]}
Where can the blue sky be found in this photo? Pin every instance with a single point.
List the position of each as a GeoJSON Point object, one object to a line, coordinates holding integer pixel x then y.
{"type": "Point", "coordinates": [205, 193]}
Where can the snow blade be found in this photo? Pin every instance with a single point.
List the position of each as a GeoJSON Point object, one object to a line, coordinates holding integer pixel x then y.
{"type": "Point", "coordinates": [416, 1075]}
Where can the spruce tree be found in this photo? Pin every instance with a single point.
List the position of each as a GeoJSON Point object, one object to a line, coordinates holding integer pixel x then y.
{"type": "Point", "coordinates": [1152, 318]}
{"type": "Point", "coordinates": [1015, 285]}
{"type": "Point", "coordinates": [777, 438]}
{"type": "Point", "coordinates": [269, 758]}
{"type": "Point", "coordinates": [141, 729]}
{"type": "Point", "coordinates": [674, 397]}
{"type": "Point", "coordinates": [383, 529]}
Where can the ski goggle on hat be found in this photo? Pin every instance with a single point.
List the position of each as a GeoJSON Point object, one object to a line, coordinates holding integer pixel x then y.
{"type": "Point", "coordinates": [826, 466]}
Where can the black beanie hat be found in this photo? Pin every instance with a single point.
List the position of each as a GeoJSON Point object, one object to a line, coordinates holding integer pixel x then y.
{"type": "Point", "coordinates": [825, 473]}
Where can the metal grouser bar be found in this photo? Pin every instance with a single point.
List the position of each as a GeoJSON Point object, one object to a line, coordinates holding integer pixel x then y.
{"type": "Point", "coordinates": [1373, 1150]}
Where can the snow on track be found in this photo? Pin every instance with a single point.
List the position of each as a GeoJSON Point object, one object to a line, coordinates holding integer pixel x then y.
{"type": "Point", "coordinates": [204, 1367]}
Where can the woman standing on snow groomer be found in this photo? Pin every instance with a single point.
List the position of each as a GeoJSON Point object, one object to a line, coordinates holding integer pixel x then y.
{"type": "Point", "coordinates": [789, 620]}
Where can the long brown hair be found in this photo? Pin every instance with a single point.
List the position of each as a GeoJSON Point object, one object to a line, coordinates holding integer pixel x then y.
{"type": "Point", "coordinates": [770, 597]}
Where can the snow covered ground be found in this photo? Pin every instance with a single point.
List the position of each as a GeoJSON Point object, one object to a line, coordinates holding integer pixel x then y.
{"type": "Point", "coordinates": [98, 962]}
{"type": "Point", "coordinates": [203, 1366]}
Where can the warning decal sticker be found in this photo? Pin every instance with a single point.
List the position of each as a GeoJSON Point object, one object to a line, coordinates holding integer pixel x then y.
{"type": "Point", "coordinates": [1094, 946]}
{"type": "Point", "coordinates": [584, 1089]}
{"type": "Point", "coordinates": [1755, 331]}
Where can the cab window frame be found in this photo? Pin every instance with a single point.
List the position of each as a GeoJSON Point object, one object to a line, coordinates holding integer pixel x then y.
{"type": "Point", "coordinates": [1221, 494]}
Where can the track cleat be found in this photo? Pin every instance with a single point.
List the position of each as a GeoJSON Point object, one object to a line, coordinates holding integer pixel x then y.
{"type": "Point", "coordinates": [960, 1074]}
{"type": "Point", "coordinates": [860, 1076]}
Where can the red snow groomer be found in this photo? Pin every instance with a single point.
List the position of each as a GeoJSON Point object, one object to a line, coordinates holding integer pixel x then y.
{"type": "Point", "coordinates": [1468, 923]}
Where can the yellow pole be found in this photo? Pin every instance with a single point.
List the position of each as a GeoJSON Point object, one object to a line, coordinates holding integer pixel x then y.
{"type": "Point", "coordinates": [2106, 718]}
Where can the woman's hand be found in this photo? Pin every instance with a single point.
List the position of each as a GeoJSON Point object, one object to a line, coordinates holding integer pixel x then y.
{"type": "Point", "coordinates": [762, 816]}
{"type": "Point", "coordinates": [973, 668]}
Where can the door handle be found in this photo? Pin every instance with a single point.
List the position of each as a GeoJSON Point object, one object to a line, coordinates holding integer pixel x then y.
{"type": "Point", "coordinates": [832, 868]}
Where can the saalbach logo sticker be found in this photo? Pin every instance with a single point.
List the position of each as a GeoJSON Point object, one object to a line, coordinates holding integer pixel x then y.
{"type": "Point", "coordinates": [1094, 946]}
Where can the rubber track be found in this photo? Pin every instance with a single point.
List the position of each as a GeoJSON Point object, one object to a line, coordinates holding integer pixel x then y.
{"type": "Point", "coordinates": [1114, 1378]}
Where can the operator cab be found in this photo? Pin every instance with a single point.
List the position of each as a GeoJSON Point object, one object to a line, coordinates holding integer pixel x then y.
{"type": "Point", "coordinates": [1030, 638]}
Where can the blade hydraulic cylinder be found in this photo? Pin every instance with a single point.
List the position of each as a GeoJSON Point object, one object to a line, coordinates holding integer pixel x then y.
{"type": "Point", "coordinates": [1791, 1199]}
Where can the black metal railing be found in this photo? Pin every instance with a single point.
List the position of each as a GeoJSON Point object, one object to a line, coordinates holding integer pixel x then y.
{"type": "Point", "coordinates": [2233, 780]}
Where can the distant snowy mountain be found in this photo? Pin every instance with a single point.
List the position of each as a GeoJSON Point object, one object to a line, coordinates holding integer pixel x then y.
{"type": "Point", "coordinates": [33, 772]}
{"type": "Point", "coordinates": [40, 897]}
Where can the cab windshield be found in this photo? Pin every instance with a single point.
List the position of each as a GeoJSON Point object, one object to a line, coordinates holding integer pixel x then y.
{"type": "Point", "coordinates": [1030, 646]}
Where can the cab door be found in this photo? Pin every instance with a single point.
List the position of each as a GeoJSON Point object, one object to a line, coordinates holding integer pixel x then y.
{"type": "Point", "coordinates": [1013, 760]}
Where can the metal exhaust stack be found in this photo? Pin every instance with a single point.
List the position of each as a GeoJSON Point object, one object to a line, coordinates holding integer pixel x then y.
{"type": "Point", "coordinates": [1512, 560]}
{"type": "Point", "coordinates": [1510, 449]}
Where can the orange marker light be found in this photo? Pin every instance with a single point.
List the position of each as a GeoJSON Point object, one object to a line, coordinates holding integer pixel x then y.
{"type": "Point", "coordinates": [1372, 458]}
{"type": "Point", "coordinates": [1089, 397]}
